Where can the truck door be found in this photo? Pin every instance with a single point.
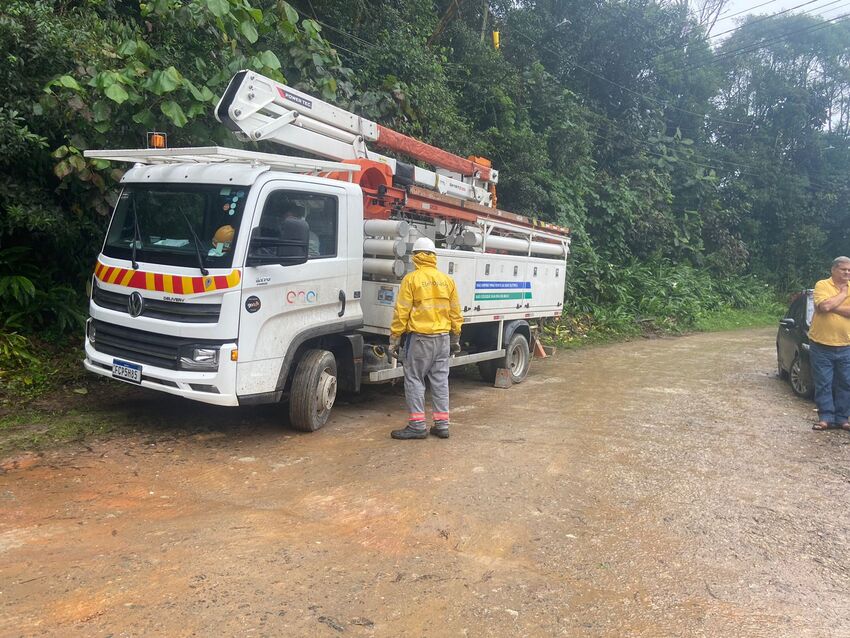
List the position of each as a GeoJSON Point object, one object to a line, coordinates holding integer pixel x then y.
{"type": "Point", "coordinates": [283, 305]}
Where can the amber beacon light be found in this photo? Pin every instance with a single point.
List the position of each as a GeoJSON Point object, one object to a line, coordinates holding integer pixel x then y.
{"type": "Point", "coordinates": [157, 140]}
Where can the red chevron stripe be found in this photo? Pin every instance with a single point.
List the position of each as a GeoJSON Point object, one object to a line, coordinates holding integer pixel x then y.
{"type": "Point", "coordinates": [139, 280]}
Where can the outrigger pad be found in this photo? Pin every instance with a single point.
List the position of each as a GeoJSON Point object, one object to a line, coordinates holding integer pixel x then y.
{"type": "Point", "coordinates": [503, 379]}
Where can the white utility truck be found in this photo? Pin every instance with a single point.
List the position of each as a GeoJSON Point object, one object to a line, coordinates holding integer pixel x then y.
{"type": "Point", "coordinates": [237, 277]}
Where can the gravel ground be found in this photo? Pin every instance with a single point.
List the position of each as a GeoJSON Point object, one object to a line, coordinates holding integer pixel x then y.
{"type": "Point", "coordinates": [667, 487]}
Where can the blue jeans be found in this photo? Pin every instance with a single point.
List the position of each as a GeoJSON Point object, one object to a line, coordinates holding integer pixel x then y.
{"type": "Point", "coordinates": [831, 373]}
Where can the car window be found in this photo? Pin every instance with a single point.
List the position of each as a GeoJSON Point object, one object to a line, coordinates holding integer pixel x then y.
{"type": "Point", "coordinates": [810, 308]}
{"type": "Point", "coordinates": [798, 310]}
{"type": "Point", "coordinates": [793, 311]}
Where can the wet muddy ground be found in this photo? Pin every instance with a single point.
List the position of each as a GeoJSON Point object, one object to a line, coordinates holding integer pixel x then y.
{"type": "Point", "coordinates": [668, 487]}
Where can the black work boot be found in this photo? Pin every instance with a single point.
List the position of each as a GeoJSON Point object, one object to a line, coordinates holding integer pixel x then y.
{"type": "Point", "coordinates": [410, 433]}
{"type": "Point", "coordinates": [440, 430]}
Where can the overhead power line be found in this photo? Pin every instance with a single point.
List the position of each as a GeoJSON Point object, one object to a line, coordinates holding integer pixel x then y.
{"type": "Point", "coordinates": [714, 57]}
{"type": "Point", "coordinates": [724, 16]}
{"type": "Point", "coordinates": [666, 103]}
{"type": "Point", "coordinates": [663, 103]}
{"type": "Point", "coordinates": [671, 158]}
{"type": "Point", "coordinates": [360, 41]}
{"type": "Point", "coordinates": [749, 48]}
{"type": "Point", "coordinates": [646, 144]}
{"type": "Point", "coordinates": [746, 25]}
{"type": "Point", "coordinates": [694, 26]}
{"type": "Point", "coordinates": [753, 171]}
{"type": "Point", "coordinates": [773, 15]}
{"type": "Point", "coordinates": [621, 131]}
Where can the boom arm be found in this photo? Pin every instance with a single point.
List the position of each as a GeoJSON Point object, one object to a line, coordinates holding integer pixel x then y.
{"type": "Point", "coordinates": [459, 190]}
{"type": "Point", "coordinates": [258, 108]}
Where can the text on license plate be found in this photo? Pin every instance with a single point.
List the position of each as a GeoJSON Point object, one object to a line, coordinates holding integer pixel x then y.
{"type": "Point", "coordinates": [127, 371]}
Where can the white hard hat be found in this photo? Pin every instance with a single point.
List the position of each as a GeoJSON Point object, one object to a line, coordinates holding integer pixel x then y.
{"type": "Point", "coordinates": [423, 244]}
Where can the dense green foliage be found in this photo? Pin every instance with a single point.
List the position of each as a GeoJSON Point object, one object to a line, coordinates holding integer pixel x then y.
{"type": "Point", "coordinates": [692, 171]}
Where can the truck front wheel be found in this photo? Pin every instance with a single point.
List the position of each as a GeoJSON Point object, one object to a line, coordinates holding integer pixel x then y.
{"type": "Point", "coordinates": [313, 391]}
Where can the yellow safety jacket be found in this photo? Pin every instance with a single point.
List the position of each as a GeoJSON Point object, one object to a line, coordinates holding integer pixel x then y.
{"type": "Point", "coordinates": [427, 301]}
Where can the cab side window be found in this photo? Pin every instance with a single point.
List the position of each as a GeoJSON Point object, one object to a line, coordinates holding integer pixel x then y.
{"type": "Point", "coordinates": [319, 211]}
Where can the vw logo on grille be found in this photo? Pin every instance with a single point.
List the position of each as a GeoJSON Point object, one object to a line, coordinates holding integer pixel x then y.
{"type": "Point", "coordinates": [136, 304]}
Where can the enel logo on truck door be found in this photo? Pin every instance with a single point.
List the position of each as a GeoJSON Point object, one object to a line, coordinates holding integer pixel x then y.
{"type": "Point", "coordinates": [302, 296]}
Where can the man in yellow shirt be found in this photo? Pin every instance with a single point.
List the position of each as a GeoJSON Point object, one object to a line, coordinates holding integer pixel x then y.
{"type": "Point", "coordinates": [829, 350]}
{"type": "Point", "coordinates": [428, 313]}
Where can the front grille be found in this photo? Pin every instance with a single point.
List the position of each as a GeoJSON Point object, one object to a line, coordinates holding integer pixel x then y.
{"type": "Point", "coordinates": [112, 300]}
{"type": "Point", "coordinates": [139, 346]}
{"type": "Point", "coordinates": [158, 309]}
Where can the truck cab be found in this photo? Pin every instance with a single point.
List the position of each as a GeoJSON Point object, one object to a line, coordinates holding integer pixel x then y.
{"type": "Point", "coordinates": [200, 291]}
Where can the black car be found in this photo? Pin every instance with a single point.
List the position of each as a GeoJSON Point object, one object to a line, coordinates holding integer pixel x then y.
{"type": "Point", "coordinates": [792, 345]}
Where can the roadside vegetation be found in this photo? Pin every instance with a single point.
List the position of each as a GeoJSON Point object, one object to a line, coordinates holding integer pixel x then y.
{"type": "Point", "coordinates": [704, 175]}
{"type": "Point", "coordinates": [658, 299]}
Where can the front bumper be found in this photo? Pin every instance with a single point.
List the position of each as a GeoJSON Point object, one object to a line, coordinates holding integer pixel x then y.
{"type": "Point", "coordinates": [217, 388]}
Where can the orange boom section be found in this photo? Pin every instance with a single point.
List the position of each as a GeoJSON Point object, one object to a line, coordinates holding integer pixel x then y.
{"type": "Point", "coordinates": [390, 139]}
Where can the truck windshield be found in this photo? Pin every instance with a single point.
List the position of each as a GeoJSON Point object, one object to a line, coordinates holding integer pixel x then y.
{"type": "Point", "coordinates": [156, 218]}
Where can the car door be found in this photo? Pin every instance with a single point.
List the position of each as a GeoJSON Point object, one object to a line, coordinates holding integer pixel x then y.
{"type": "Point", "coordinates": [788, 335]}
{"type": "Point", "coordinates": [282, 303]}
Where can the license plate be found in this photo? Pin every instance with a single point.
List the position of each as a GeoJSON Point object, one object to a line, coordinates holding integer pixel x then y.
{"type": "Point", "coordinates": [127, 371]}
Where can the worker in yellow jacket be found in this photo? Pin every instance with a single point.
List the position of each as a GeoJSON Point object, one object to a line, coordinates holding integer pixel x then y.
{"type": "Point", "coordinates": [428, 316]}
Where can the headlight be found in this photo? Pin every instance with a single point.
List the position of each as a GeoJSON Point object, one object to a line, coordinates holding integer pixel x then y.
{"type": "Point", "coordinates": [200, 359]}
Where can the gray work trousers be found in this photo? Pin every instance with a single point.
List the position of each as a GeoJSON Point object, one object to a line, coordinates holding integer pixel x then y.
{"type": "Point", "coordinates": [427, 356]}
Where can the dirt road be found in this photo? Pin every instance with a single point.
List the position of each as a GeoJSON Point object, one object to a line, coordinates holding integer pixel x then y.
{"type": "Point", "coordinates": [670, 487]}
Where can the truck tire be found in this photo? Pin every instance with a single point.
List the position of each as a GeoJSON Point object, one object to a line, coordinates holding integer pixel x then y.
{"type": "Point", "coordinates": [516, 360]}
{"type": "Point", "coordinates": [313, 391]}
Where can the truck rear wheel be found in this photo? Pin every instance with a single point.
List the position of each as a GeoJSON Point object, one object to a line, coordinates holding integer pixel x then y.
{"type": "Point", "coordinates": [313, 391]}
{"type": "Point", "coordinates": [516, 360]}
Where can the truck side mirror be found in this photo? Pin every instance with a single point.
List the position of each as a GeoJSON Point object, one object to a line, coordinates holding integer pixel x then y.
{"type": "Point", "coordinates": [289, 248]}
